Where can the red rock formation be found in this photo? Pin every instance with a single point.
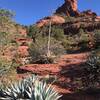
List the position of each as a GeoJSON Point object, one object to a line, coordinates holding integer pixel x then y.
{"type": "Point", "coordinates": [22, 31]}
{"type": "Point", "coordinates": [88, 13]}
{"type": "Point", "coordinates": [40, 69]}
{"type": "Point", "coordinates": [23, 41]}
{"type": "Point", "coordinates": [55, 19]}
{"type": "Point", "coordinates": [88, 23]}
{"type": "Point", "coordinates": [23, 51]}
{"type": "Point", "coordinates": [69, 8]}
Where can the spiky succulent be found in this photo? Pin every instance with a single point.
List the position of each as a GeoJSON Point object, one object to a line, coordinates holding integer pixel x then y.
{"type": "Point", "coordinates": [30, 89]}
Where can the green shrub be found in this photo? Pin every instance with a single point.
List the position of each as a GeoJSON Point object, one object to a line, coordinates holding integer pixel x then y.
{"type": "Point", "coordinates": [92, 72]}
{"type": "Point", "coordinates": [38, 50]}
{"type": "Point", "coordinates": [4, 66]}
{"type": "Point", "coordinates": [6, 21]}
{"type": "Point", "coordinates": [69, 19]}
{"type": "Point", "coordinates": [97, 38]}
{"type": "Point", "coordinates": [7, 66]}
{"type": "Point", "coordinates": [33, 32]}
{"type": "Point", "coordinates": [57, 33]}
{"type": "Point", "coordinates": [83, 40]}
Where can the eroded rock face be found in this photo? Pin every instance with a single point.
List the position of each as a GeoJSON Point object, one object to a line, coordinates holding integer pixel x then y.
{"type": "Point", "coordinates": [89, 13]}
{"type": "Point", "coordinates": [86, 23]}
{"type": "Point", "coordinates": [55, 19]}
{"type": "Point", "coordinates": [87, 20]}
{"type": "Point", "coordinates": [69, 8]}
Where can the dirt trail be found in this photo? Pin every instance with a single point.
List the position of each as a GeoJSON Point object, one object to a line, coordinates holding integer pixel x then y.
{"type": "Point", "coordinates": [70, 66]}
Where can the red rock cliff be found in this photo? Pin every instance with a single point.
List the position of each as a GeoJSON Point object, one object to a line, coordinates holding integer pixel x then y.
{"type": "Point", "coordinates": [69, 8]}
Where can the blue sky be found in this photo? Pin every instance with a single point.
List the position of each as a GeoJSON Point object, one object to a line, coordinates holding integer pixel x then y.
{"type": "Point", "coordinates": [29, 11]}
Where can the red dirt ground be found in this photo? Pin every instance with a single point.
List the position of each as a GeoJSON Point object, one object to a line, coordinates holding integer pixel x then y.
{"type": "Point", "coordinates": [67, 67]}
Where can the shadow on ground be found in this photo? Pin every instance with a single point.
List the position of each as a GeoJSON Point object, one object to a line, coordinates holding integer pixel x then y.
{"type": "Point", "coordinates": [84, 95]}
{"type": "Point", "coordinates": [75, 71]}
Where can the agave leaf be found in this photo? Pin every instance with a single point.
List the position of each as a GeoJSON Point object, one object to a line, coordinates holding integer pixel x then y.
{"type": "Point", "coordinates": [33, 88]}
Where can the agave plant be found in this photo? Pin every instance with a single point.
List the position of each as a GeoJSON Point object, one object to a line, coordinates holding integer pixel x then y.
{"type": "Point", "coordinates": [29, 89]}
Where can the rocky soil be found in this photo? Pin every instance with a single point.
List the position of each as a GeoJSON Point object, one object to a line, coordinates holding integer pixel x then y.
{"type": "Point", "coordinates": [65, 70]}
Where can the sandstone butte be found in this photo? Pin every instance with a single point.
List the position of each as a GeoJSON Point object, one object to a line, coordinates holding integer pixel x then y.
{"type": "Point", "coordinates": [69, 8]}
